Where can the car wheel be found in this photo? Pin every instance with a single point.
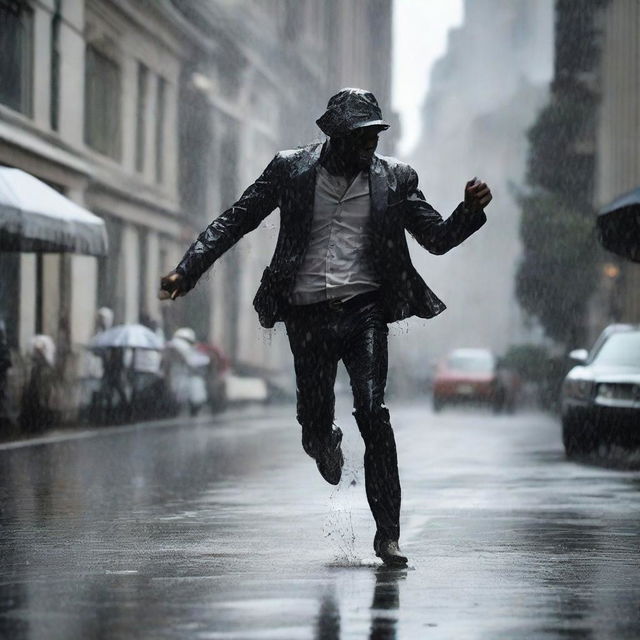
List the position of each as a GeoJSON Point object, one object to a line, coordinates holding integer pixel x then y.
{"type": "Point", "coordinates": [510, 403]}
{"type": "Point", "coordinates": [577, 436]}
{"type": "Point", "coordinates": [498, 403]}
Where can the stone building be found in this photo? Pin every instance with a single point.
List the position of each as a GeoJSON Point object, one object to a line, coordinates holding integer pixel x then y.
{"type": "Point", "coordinates": [617, 149]}
{"type": "Point", "coordinates": [97, 118]}
{"type": "Point", "coordinates": [155, 116]}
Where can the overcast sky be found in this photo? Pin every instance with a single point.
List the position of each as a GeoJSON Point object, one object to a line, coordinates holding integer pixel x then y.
{"type": "Point", "coordinates": [419, 38]}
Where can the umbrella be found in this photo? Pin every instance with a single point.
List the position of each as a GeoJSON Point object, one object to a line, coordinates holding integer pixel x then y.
{"type": "Point", "coordinates": [619, 226]}
{"type": "Point", "coordinates": [126, 336]}
{"type": "Point", "coordinates": [35, 217]}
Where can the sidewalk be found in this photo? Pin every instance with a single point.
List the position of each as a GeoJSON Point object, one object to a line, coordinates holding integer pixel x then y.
{"type": "Point", "coordinates": [246, 412]}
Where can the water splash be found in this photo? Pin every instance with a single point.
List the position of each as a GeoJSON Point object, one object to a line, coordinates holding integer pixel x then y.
{"type": "Point", "coordinates": [338, 526]}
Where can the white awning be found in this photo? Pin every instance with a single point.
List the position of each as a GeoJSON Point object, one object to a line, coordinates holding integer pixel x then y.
{"type": "Point", "coordinates": [35, 217]}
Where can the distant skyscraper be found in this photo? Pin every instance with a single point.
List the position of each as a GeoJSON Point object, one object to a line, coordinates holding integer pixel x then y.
{"type": "Point", "coordinates": [484, 94]}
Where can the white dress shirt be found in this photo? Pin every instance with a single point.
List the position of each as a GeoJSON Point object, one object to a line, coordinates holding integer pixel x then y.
{"type": "Point", "coordinates": [336, 264]}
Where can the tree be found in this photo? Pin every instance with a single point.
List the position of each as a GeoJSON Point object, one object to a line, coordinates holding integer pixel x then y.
{"type": "Point", "coordinates": [558, 272]}
{"type": "Point", "coordinates": [557, 276]}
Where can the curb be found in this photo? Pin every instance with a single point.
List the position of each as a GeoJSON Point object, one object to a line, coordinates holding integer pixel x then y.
{"type": "Point", "coordinates": [96, 432]}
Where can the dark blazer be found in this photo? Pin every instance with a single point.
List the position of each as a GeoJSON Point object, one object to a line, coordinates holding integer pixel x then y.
{"type": "Point", "coordinates": [397, 205]}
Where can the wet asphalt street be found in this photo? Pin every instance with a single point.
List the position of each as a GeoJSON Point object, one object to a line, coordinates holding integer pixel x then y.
{"type": "Point", "coordinates": [224, 529]}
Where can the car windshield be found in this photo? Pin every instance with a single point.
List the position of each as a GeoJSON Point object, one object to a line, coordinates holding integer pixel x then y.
{"type": "Point", "coordinates": [477, 363]}
{"type": "Point", "coordinates": [620, 349]}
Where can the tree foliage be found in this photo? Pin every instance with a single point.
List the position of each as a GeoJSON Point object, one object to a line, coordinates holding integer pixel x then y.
{"type": "Point", "coordinates": [557, 274]}
{"type": "Point", "coordinates": [530, 361]}
{"type": "Point", "coordinates": [556, 278]}
{"type": "Point", "coordinates": [556, 162]}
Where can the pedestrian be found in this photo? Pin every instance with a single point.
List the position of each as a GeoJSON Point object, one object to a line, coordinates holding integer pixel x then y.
{"type": "Point", "coordinates": [36, 412]}
{"type": "Point", "coordinates": [147, 363]}
{"type": "Point", "coordinates": [118, 406]}
{"type": "Point", "coordinates": [104, 319]}
{"type": "Point", "coordinates": [185, 368]}
{"type": "Point", "coordinates": [341, 272]}
{"type": "Point", "coordinates": [94, 365]}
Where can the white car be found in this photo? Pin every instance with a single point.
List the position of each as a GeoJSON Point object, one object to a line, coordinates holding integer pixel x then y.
{"type": "Point", "coordinates": [601, 396]}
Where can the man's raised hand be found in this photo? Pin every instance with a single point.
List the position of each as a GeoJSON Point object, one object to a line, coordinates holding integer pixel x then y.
{"type": "Point", "coordinates": [477, 195]}
{"type": "Point", "coordinates": [171, 286]}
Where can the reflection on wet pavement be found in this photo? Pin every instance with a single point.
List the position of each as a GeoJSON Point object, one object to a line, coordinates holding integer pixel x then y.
{"type": "Point", "coordinates": [386, 602]}
{"type": "Point", "coordinates": [226, 530]}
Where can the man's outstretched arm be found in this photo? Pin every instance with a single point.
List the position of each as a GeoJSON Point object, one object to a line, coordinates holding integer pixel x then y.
{"type": "Point", "coordinates": [255, 204]}
{"type": "Point", "coordinates": [426, 225]}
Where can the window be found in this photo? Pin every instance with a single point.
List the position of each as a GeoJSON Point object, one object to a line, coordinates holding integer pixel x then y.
{"type": "Point", "coordinates": [102, 103]}
{"type": "Point", "coordinates": [195, 130]}
{"type": "Point", "coordinates": [228, 164]}
{"type": "Point", "coordinates": [293, 19]}
{"type": "Point", "coordinates": [143, 273]}
{"type": "Point", "coordinates": [109, 282]}
{"type": "Point", "coordinates": [160, 110]}
{"type": "Point", "coordinates": [10, 294]}
{"type": "Point", "coordinates": [39, 303]}
{"type": "Point", "coordinates": [16, 55]}
{"type": "Point", "coordinates": [621, 349]}
{"type": "Point", "coordinates": [227, 175]}
{"type": "Point", "coordinates": [54, 106]}
{"type": "Point", "coordinates": [141, 120]}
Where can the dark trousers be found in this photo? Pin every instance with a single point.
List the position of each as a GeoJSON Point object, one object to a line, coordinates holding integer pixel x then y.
{"type": "Point", "coordinates": [355, 332]}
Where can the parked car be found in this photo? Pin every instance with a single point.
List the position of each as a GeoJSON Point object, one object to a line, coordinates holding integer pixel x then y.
{"type": "Point", "coordinates": [473, 375]}
{"type": "Point", "coordinates": [600, 398]}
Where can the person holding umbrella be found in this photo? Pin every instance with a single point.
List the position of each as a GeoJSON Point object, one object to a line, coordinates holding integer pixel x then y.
{"type": "Point", "coordinates": [340, 273]}
{"type": "Point", "coordinates": [36, 413]}
{"type": "Point", "coordinates": [117, 346]}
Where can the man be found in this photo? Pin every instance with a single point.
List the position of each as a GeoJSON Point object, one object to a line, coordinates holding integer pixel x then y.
{"type": "Point", "coordinates": [340, 273]}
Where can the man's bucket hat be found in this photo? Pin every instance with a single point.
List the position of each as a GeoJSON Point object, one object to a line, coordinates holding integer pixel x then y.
{"type": "Point", "coordinates": [351, 109]}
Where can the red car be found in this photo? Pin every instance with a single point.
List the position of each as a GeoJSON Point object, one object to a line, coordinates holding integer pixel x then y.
{"type": "Point", "coordinates": [472, 375]}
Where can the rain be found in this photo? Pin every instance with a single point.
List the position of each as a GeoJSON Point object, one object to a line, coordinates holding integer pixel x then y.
{"type": "Point", "coordinates": [319, 319]}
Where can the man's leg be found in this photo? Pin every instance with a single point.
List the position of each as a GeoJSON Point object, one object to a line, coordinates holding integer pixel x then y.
{"type": "Point", "coordinates": [313, 345]}
{"type": "Point", "coordinates": [365, 357]}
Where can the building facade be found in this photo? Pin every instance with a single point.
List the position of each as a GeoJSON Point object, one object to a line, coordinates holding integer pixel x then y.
{"type": "Point", "coordinates": [617, 166]}
{"type": "Point", "coordinates": [155, 116]}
